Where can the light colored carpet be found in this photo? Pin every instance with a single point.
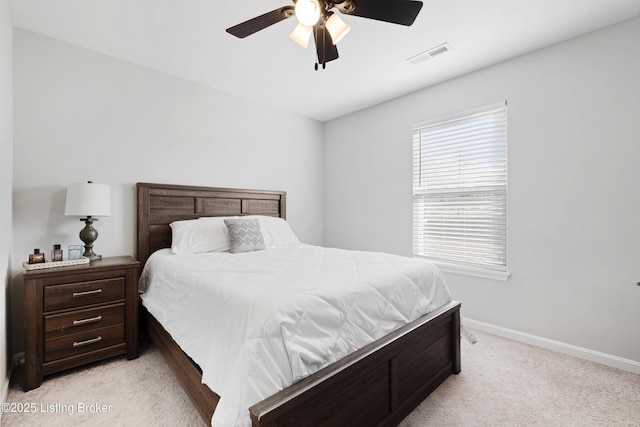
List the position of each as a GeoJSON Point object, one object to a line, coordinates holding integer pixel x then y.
{"type": "Point", "coordinates": [503, 383]}
{"type": "Point", "coordinates": [140, 392]}
{"type": "Point", "coordinates": [507, 383]}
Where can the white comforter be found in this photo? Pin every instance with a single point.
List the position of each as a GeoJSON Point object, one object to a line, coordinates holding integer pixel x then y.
{"type": "Point", "coordinates": [257, 322]}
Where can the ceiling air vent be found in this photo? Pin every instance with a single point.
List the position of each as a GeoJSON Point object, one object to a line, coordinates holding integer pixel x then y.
{"type": "Point", "coordinates": [428, 54]}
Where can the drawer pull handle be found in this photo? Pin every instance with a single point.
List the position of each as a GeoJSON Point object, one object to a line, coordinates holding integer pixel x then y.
{"type": "Point", "coordinates": [87, 293]}
{"type": "Point", "coordinates": [85, 321]}
{"type": "Point", "coordinates": [86, 342]}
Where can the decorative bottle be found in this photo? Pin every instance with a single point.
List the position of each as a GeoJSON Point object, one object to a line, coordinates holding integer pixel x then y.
{"type": "Point", "coordinates": [36, 257]}
{"type": "Point", "coordinates": [56, 253]}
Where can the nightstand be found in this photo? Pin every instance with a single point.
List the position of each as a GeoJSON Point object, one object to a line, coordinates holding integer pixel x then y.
{"type": "Point", "coordinates": [79, 314]}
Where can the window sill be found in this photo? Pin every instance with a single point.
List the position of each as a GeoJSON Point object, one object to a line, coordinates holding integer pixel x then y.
{"type": "Point", "coordinates": [484, 273]}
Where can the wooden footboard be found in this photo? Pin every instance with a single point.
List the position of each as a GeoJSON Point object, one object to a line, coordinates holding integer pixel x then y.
{"type": "Point", "coordinates": [378, 385]}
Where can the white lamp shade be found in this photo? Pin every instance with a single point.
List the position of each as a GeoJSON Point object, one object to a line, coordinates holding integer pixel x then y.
{"type": "Point", "coordinates": [301, 35]}
{"type": "Point", "coordinates": [337, 28]}
{"type": "Point", "coordinates": [88, 199]}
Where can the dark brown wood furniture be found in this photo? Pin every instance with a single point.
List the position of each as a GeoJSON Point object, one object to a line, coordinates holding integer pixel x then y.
{"type": "Point", "coordinates": [79, 314]}
{"type": "Point", "coordinates": [376, 386]}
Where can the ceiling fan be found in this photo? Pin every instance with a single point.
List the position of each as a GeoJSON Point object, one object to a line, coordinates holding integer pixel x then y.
{"type": "Point", "coordinates": [317, 17]}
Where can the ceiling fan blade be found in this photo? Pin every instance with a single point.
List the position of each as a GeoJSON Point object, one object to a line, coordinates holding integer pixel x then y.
{"type": "Point", "coordinates": [325, 48]}
{"type": "Point", "coordinates": [261, 22]}
{"type": "Point", "coordinates": [403, 12]}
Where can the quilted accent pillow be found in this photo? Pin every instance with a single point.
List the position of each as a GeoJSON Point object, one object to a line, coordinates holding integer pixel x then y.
{"type": "Point", "coordinates": [245, 235]}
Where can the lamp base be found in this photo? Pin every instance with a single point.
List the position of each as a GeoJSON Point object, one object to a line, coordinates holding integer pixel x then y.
{"type": "Point", "coordinates": [89, 235]}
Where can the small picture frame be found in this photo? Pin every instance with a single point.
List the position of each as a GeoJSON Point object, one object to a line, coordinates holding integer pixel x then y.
{"type": "Point", "coordinates": [75, 252]}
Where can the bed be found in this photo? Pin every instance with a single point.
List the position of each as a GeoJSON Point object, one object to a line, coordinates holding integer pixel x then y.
{"type": "Point", "coordinates": [379, 384]}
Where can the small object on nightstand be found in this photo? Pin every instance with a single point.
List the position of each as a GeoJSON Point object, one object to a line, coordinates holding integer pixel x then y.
{"type": "Point", "coordinates": [36, 257]}
{"type": "Point", "coordinates": [56, 253]}
{"type": "Point", "coordinates": [75, 252]}
{"type": "Point", "coordinates": [54, 264]}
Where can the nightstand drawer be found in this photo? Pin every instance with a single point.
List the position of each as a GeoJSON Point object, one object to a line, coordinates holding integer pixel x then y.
{"type": "Point", "coordinates": [57, 297]}
{"type": "Point", "coordinates": [58, 325]}
{"type": "Point", "coordinates": [83, 342]}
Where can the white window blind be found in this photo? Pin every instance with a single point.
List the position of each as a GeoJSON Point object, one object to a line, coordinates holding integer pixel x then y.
{"type": "Point", "coordinates": [460, 189]}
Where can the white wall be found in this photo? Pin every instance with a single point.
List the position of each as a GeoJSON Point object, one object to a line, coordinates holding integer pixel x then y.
{"type": "Point", "coordinates": [6, 178]}
{"type": "Point", "coordinates": [81, 115]}
{"type": "Point", "coordinates": [574, 187]}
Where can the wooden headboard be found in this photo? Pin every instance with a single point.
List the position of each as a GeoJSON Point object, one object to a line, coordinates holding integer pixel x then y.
{"type": "Point", "coordinates": [161, 204]}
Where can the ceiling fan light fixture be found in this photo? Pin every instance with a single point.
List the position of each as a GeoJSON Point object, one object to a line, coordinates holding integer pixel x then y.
{"type": "Point", "coordinates": [317, 17]}
{"type": "Point", "coordinates": [301, 35]}
{"type": "Point", "coordinates": [337, 28]}
{"type": "Point", "coordinates": [308, 12]}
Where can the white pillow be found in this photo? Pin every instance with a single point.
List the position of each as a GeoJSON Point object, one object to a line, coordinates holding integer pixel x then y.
{"type": "Point", "coordinates": [210, 234]}
{"type": "Point", "coordinates": [275, 231]}
{"type": "Point", "coordinates": [195, 236]}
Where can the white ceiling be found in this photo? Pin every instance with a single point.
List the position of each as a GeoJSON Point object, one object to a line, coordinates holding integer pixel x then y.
{"type": "Point", "coordinates": [187, 38]}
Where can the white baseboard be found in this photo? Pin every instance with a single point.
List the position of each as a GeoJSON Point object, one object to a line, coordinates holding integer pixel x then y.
{"type": "Point", "coordinates": [5, 389]}
{"type": "Point", "coordinates": [560, 347]}
{"type": "Point", "coordinates": [4, 392]}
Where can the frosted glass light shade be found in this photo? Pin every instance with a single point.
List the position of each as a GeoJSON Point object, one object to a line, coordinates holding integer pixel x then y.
{"type": "Point", "coordinates": [88, 199]}
{"type": "Point", "coordinates": [337, 28]}
{"type": "Point", "coordinates": [308, 12]}
{"type": "Point", "coordinates": [301, 35]}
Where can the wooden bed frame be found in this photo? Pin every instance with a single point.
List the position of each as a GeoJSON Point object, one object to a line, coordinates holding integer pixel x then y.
{"type": "Point", "coordinates": [378, 385]}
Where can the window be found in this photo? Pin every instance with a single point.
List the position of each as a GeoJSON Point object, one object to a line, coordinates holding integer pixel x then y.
{"type": "Point", "coordinates": [460, 191]}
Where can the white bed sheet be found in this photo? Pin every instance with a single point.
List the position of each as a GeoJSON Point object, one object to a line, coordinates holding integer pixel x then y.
{"type": "Point", "coordinates": [257, 322]}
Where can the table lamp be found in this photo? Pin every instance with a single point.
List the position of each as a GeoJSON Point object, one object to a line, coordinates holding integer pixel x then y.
{"type": "Point", "coordinates": [88, 200]}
